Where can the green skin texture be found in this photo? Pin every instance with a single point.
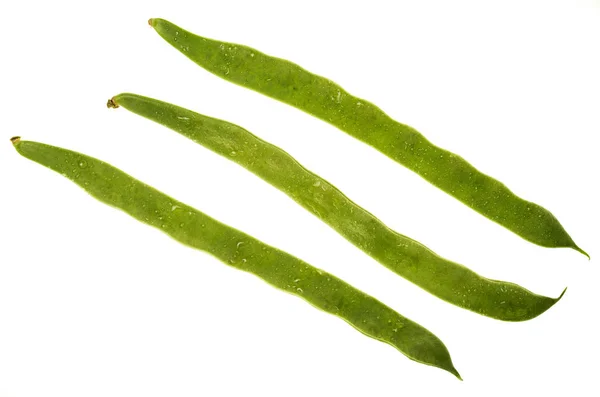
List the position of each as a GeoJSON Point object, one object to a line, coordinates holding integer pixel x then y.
{"type": "Point", "coordinates": [241, 251]}
{"type": "Point", "coordinates": [322, 98]}
{"type": "Point", "coordinates": [447, 280]}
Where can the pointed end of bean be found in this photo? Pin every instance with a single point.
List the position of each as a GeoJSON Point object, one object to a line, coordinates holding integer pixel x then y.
{"type": "Point", "coordinates": [454, 372]}
{"type": "Point", "coordinates": [15, 140]}
{"type": "Point", "coordinates": [561, 295]}
{"type": "Point", "coordinates": [151, 22]}
{"type": "Point", "coordinates": [576, 248]}
{"type": "Point", "coordinates": [111, 104]}
{"type": "Point", "coordinates": [543, 304]}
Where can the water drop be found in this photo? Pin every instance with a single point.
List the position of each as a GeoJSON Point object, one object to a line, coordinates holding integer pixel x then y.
{"type": "Point", "coordinates": [181, 225]}
{"type": "Point", "coordinates": [239, 244]}
{"type": "Point", "coordinates": [233, 153]}
{"type": "Point", "coordinates": [317, 184]}
{"type": "Point", "coordinates": [173, 208]}
{"type": "Point", "coordinates": [300, 290]}
{"type": "Point", "coordinates": [82, 164]}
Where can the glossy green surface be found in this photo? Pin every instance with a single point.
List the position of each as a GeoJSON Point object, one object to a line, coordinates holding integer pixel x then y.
{"type": "Point", "coordinates": [322, 98]}
{"type": "Point", "coordinates": [445, 279]}
{"type": "Point", "coordinates": [237, 249]}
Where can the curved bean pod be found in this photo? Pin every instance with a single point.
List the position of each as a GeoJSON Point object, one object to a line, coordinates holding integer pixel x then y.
{"type": "Point", "coordinates": [447, 280]}
{"type": "Point", "coordinates": [237, 249]}
{"type": "Point", "coordinates": [322, 98]}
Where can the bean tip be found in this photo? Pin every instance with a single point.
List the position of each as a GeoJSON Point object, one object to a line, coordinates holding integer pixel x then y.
{"type": "Point", "coordinates": [151, 22]}
{"type": "Point", "coordinates": [561, 294]}
{"type": "Point", "coordinates": [455, 373]}
{"type": "Point", "coordinates": [111, 104]}
{"type": "Point", "coordinates": [15, 139]}
{"type": "Point", "coordinates": [576, 248]}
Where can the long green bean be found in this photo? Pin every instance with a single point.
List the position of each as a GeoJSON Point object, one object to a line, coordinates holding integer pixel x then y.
{"type": "Point", "coordinates": [322, 98]}
{"type": "Point", "coordinates": [445, 279]}
{"type": "Point", "coordinates": [241, 251]}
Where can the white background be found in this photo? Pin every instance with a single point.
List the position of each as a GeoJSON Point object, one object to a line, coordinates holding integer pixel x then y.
{"type": "Point", "coordinates": [93, 303]}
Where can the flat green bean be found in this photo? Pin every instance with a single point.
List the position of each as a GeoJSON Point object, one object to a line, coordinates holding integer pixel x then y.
{"type": "Point", "coordinates": [445, 279]}
{"type": "Point", "coordinates": [241, 251]}
{"type": "Point", "coordinates": [322, 98]}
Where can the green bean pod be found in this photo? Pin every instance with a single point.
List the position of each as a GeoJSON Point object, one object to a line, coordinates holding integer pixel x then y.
{"type": "Point", "coordinates": [241, 251]}
{"type": "Point", "coordinates": [447, 280]}
{"type": "Point", "coordinates": [322, 98]}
